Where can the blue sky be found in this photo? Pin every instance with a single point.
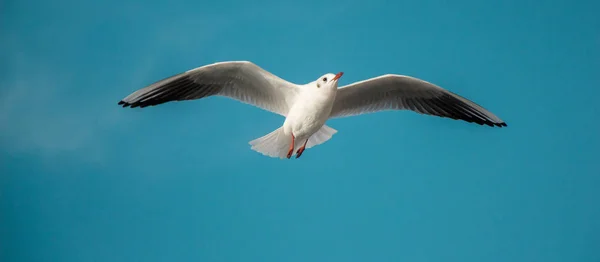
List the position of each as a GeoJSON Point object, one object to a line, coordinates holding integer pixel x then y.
{"type": "Point", "coordinates": [82, 179]}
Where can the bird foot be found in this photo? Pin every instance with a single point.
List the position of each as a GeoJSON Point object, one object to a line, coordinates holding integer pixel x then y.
{"type": "Point", "coordinates": [299, 152]}
{"type": "Point", "coordinates": [291, 151]}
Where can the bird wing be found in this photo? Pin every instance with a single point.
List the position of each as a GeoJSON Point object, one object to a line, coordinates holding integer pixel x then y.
{"type": "Point", "coordinates": [240, 80]}
{"type": "Point", "coordinates": [397, 92]}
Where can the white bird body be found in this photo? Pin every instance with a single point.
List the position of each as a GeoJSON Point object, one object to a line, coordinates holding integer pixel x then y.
{"type": "Point", "coordinates": [309, 112]}
{"type": "Point", "coordinates": [307, 107]}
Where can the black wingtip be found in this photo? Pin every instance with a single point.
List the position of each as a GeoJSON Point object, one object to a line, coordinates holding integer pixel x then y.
{"type": "Point", "coordinates": [123, 103]}
{"type": "Point", "coordinates": [503, 124]}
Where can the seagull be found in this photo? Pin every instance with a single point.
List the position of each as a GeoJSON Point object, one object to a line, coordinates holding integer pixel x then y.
{"type": "Point", "coordinates": [306, 107]}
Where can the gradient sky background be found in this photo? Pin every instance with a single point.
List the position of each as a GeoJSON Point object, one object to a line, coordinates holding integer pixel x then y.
{"type": "Point", "coordinates": [83, 179]}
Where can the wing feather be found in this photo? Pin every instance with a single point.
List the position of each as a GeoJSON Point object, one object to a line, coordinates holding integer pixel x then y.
{"type": "Point", "coordinates": [239, 80]}
{"type": "Point", "coordinates": [397, 92]}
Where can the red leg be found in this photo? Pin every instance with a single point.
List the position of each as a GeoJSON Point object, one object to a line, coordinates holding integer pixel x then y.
{"type": "Point", "coordinates": [300, 150]}
{"type": "Point", "coordinates": [291, 151]}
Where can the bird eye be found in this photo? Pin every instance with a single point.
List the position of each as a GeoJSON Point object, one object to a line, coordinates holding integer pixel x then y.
{"type": "Point", "coordinates": [324, 79]}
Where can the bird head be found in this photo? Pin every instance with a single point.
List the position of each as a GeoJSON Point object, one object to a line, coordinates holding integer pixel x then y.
{"type": "Point", "coordinates": [329, 81]}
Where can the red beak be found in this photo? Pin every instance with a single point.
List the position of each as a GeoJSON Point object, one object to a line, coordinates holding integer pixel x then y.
{"type": "Point", "coordinates": [338, 76]}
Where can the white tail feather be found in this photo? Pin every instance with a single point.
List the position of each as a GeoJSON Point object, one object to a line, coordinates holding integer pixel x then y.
{"type": "Point", "coordinates": [321, 136]}
{"type": "Point", "coordinates": [274, 144]}
{"type": "Point", "coordinates": [277, 144]}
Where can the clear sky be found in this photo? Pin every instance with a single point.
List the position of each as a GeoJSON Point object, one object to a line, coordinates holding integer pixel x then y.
{"type": "Point", "coordinates": [82, 179]}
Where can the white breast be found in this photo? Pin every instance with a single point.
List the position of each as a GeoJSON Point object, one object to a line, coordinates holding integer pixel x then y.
{"type": "Point", "coordinates": [309, 112]}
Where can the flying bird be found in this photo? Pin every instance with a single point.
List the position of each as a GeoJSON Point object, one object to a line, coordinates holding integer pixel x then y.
{"type": "Point", "coordinates": [306, 107]}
